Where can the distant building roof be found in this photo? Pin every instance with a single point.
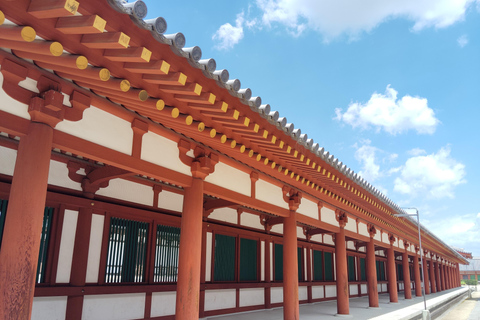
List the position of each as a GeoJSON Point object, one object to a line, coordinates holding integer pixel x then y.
{"type": "Point", "coordinates": [473, 265]}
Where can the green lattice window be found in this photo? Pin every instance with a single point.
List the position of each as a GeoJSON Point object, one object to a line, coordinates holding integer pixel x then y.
{"type": "Point", "coordinates": [166, 254]}
{"type": "Point", "coordinates": [300, 263]}
{"type": "Point", "coordinates": [351, 268]}
{"type": "Point", "coordinates": [224, 261]}
{"type": "Point", "coordinates": [278, 254]}
{"type": "Point", "coordinates": [248, 259]}
{"type": "Point", "coordinates": [44, 241]}
{"type": "Point", "coordinates": [380, 270]}
{"type": "Point", "coordinates": [363, 274]}
{"type": "Point", "coordinates": [399, 272]}
{"type": "Point", "coordinates": [126, 253]}
{"type": "Point", "coordinates": [328, 260]}
{"type": "Point", "coordinates": [317, 265]}
{"type": "Point", "coordinates": [472, 277]}
{"type": "Point", "coordinates": [3, 211]}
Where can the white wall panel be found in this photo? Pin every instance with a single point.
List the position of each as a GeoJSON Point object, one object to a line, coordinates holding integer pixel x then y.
{"type": "Point", "coordinates": [350, 245]}
{"type": "Point", "coordinates": [128, 191]}
{"type": "Point", "coordinates": [317, 238]}
{"type": "Point", "coordinates": [384, 287]}
{"type": "Point", "coordinates": [102, 128]}
{"type": "Point", "coordinates": [351, 225]}
{"type": "Point", "coordinates": [302, 293]}
{"type": "Point", "coordinates": [378, 236]}
{"type": "Point", "coordinates": [51, 308]}
{"type": "Point", "coordinates": [208, 258]}
{"type": "Point", "coordinates": [58, 176]}
{"type": "Point", "coordinates": [300, 234]}
{"type": "Point", "coordinates": [252, 297]}
{"type": "Point", "coordinates": [231, 178]}
{"type": "Point", "coordinates": [162, 151]}
{"type": "Point", "coordinates": [328, 239]}
{"type": "Point", "coordinates": [276, 295]}
{"type": "Point", "coordinates": [170, 201]}
{"type": "Point", "coordinates": [95, 248]}
{"type": "Point", "coordinates": [7, 159]}
{"type": "Point", "coordinates": [11, 105]}
{"type": "Point", "coordinates": [353, 289]}
{"type": "Point", "coordinates": [278, 228]}
{"type": "Point", "coordinates": [163, 304]}
{"type": "Point", "coordinates": [328, 216]}
{"type": "Point", "coordinates": [308, 208]}
{"type": "Point", "coordinates": [270, 193]}
{"type": "Point", "coordinates": [363, 287]}
{"type": "Point", "coordinates": [330, 291]}
{"type": "Point", "coordinates": [363, 230]}
{"type": "Point", "coordinates": [318, 292]}
{"type": "Point", "coordinates": [124, 306]}
{"type": "Point", "coordinates": [220, 299]}
{"type": "Point", "coordinates": [67, 242]}
{"type": "Point", "coordinates": [251, 220]}
{"type": "Point", "coordinates": [385, 238]}
{"type": "Point", "coordinates": [225, 214]}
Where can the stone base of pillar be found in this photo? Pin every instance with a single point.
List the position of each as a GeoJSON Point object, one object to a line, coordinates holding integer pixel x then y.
{"type": "Point", "coordinates": [426, 315]}
{"type": "Point", "coordinates": [343, 315]}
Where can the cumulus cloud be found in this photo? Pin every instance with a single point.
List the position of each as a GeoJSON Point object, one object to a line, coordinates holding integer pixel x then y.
{"type": "Point", "coordinates": [385, 111]}
{"type": "Point", "coordinates": [434, 175]}
{"type": "Point", "coordinates": [365, 154]}
{"type": "Point", "coordinates": [462, 41]}
{"type": "Point", "coordinates": [333, 18]}
{"type": "Point", "coordinates": [227, 36]}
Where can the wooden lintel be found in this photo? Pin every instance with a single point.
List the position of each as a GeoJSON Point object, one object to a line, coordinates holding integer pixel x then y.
{"type": "Point", "coordinates": [205, 98]}
{"type": "Point", "coordinates": [172, 79]}
{"type": "Point", "coordinates": [65, 60]}
{"type": "Point", "coordinates": [80, 24]}
{"type": "Point", "coordinates": [160, 67]}
{"type": "Point", "coordinates": [106, 40]}
{"type": "Point", "coordinates": [139, 54]}
{"type": "Point", "coordinates": [193, 89]}
{"type": "Point", "coordinates": [42, 9]}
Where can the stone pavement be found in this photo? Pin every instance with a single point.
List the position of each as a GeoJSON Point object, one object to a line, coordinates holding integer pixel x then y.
{"type": "Point", "coordinates": [468, 309]}
{"type": "Point", "coordinates": [326, 310]}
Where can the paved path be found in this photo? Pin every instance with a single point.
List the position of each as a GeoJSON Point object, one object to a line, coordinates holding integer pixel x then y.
{"type": "Point", "coordinates": [326, 310]}
{"type": "Point", "coordinates": [468, 309]}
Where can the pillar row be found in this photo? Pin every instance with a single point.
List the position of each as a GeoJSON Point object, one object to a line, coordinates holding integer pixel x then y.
{"type": "Point", "coordinates": [391, 272]}
{"type": "Point", "coordinates": [372, 287]}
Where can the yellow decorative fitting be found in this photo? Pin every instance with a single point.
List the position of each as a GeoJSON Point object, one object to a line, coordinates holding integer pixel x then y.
{"type": "Point", "coordinates": [295, 154]}
{"type": "Point", "coordinates": [265, 161]}
{"type": "Point", "coordinates": [273, 164]}
{"type": "Point", "coordinates": [211, 98]}
{"type": "Point", "coordinates": [297, 177]}
{"type": "Point", "coordinates": [280, 144]}
{"type": "Point", "coordinates": [28, 34]}
{"type": "Point", "coordinates": [318, 187]}
{"type": "Point", "coordinates": [280, 168]}
{"type": "Point", "coordinates": [259, 157]}
{"type": "Point", "coordinates": [165, 68]}
{"type": "Point", "coordinates": [124, 85]}
{"type": "Point", "coordinates": [224, 107]}
{"type": "Point", "coordinates": [303, 180]}
{"type": "Point", "coordinates": [324, 171]}
{"type": "Point", "coordinates": [337, 180]}
{"type": "Point", "coordinates": [302, 157]}
{"type": "Point", "coordinates": [124, 40]}
{"type": "Point", "coordinates": [223, 139]}
{"type": "Point", "coordinates": [314, 165]}
{"type": "Point", "coordinates": [201, 127]}
{"type": "Point", "coordinates": [146, 54]}
{"type": "Point", "coordinates": [242, 149]}
{"type": "Point", "coordinates": [265, 134]}
{"type": "Point", "coordinates": [289, 149]}
{"type": "Point", "coordinates": [246, 122]}
{"type": "Point", "coordinates": [56, 49]}
{"type": "Point", "coordinates": [189, 120]}
{"type": "Point", "coordinates": [143, 95]}
{"type": "Point", "coordinates": [292, 174]}
{"type": "Point", "coordinates": [104, 74]}
{"type": "Point", "coordinates": [286, 171]}
{"type": "Point", "coordinates": [328, 174]}
{"type": "Point", "coordinates": [250, 153]}
{"type": "Point", "coordinates": [160, 104]}
{"type": "Point", "coordinates": [233, 144]}
{"type": "Point", "coordinates": [175, 113]}
{"type": "Point", "coordinates": [308, 161]}
{"type": "Point", "coordinates": [274, 139]}
{"type": "Point", "coordinates": [213, 133]}
{"type": "Point", "coordinates": [2, 17]}
{"type": "Point", "coordinates": [99, 23]}
{"type": "Point", "coordinates": [198, 89]}
{"type": "Point", "coordinates": [236, 114]}
{"type": "Point", "coordinates": [182, 79]}
{"type": "Point", "coordinates": [82, 63]}
{"type": "Point", "coordinates": [308, 183]}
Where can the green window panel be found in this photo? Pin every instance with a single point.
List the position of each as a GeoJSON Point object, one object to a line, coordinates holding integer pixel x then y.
{"type": "Point", "coordinates": [420, 272]}
{"type": "Point", "coordinates": [478, 277]}
{"type": "Point", "coordinates": [224, 261]}
{"type": "Point", "coordinates": [363, 274]}
{"type": "Point", "coordinates": [299, 263]}
{"type": "Point", "coordinates": [400, 272]}
{"type": "Point", "coordinates": [278, 252]}
{"type": "Point", "coordinates": [126, 253]}
{"type": "Point", "coordinates": [166, 254]}
{"type": "Point", "coordinates": [465, 277]}
{"type": "Point", "coordinates": [351, 268]}
{"type": "Point", "coordinates": [248, 259]}
{"type": "Point", "coordinates": [472, 277]}
{"type": "Point", "coordinates": [317, 265]}
{"type": "Point", "coordinates": [380, 270]}
{"type": "Point", "coordinates": [3, 211]}
{"type": "Point", "coordinates": [328, 260]}
{"type": "Point", "coordinates": [44, 241]}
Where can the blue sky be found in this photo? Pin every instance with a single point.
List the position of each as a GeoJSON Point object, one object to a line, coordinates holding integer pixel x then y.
{"type": "Point", "coordinates": [388, 87]}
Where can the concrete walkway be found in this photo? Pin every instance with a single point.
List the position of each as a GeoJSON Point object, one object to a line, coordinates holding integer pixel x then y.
{"type": "Point", "coordinates": [468, 309]}
{"type": "Point", "coordinates": [404, 309]}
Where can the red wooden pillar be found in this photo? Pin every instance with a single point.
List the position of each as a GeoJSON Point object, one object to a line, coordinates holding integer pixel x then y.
{"type": "Point", "coordinates": [416, 273]}
{"type": "Point", "coordinates": [442, 275]}
{"type": "Point", "coordinates": [372, 287]}
{"type": "Point", "coordinates": [391, 273]}
{"type": "Point", "coordinates": [190, 250]}
{"type": "Point", "coordinates": [432, 275]}
{"type": "Point", "coordinates": [343, 306]}
{"type": "Point", "coordinates": [437, 275]}
{"type": "Point", "coordinates": [426, 277]}
{"type": "Point", "coordinates": [290, 268]}
{"type": "Point", "coordinates": [23, 223]}
{"type": "Point", "coordinates": [406, 274]}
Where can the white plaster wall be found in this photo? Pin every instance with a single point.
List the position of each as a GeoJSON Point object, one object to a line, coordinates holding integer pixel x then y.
{"type": "Point", "coordinates": [128, 191]}
{"type": "Point", "coordinates": [102, 128]}
{"type": "Point", "coordinates": [308, 208]}
{"type": "Point", "coordinates": [163, 304]}
{"type": "Point", "coordinates": [379, 287]}
{"type": "Point", "coordinates": [252, 297]}
{"type": "Point", "coordinates": [328, 239]}
{"type": "Point", "coordinates": [353, 289]}
{"type": "Point", "coordinates": [225, 214]}
{"type": "Point", "coordinates": [351, 225]}
{"type": "Point", "coordinates": [316, 238]}
{"type": "Point", "coordinates": [401, 244]}
{"type": "Point", "coordinates": [208, 262]}
{"type": "Point", "coordinates": [378, 236]}
{"type": "Point", "coordinates": [270, 193]}
{"type": "Point", "coordinates": [251, 220]}
{"type": "Point", "coordinates": [350, 245]}
{"type": "Point", "coordinates": [123, 306]}
{"type": "Point", "coordinates": [7, 158]}
{"type": "Point", "coordinates": [317, 292]}
{"type": "Point", "coordinates": [51, 308]}
{"type": "Point", "coordinates": [58, 176]}
{"type": "Point", "coordinates": [385, 238]}
{"type": "Point", "coordinates": [95, 248]}
{"type": "Point", "coordinates": [300, 234]}
{"type": "Point", "coordinates": [328, 216]}
{"type": "Point", "coordinates": [170, 201]}
{"type": "Point", "coordinates": [262, 261]}
{"type": "Point", "coordinates": [12, 106]}
{"type": "Point", "coordinates": [278, 228]}
{"type": "Point", "coordinates": [330, 291]}
{"type": "Point", "coordinates": [231, 178]}
{"type": "Point", "coordinates": [363, 230]}
{"type": "Point", "coordinates": [384, 287]}
{"type": "Point", "coordinates": [67, 242]}
{"type": "Point", "coordinates": [363, 288]}
{"type": "Point", "coordinates": [401, 285]}
{"type": "Point", "coordinates": [302, 293]}
{"type": "Point", "coordinates": [162, 151]}
{"type": "Point", "coordinates": [220, 299]}
{"type": "Point", "coordinates": [362, 249]}
{"type": "Point", "coordinates": [276, 295]}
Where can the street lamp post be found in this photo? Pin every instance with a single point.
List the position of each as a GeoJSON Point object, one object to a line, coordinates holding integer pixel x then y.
{"type": "Point", "coordinates": [420, 244]}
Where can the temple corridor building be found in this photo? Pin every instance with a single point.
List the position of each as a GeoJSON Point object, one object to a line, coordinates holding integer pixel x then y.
{"type": "Point", "coordinates": [137, 181]}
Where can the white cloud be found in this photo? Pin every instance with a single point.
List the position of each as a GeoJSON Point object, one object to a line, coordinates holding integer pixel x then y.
{"type": "Point", "coordinates": [333, 18]}
{"type": "Point", "coordinates": [416, 152]}
{"type": "Point", "coordinates": [434, 175]}
{"type": "Point", "coordinates": [365, 154]}
{"type": "Point", "coordinates": [385, 111]}
{"type": "Point", "coordinates": [228, 35]}
{"type": "Point", "coordinates": [462, 41]}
